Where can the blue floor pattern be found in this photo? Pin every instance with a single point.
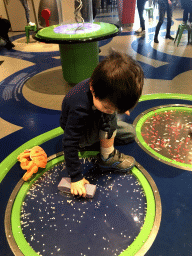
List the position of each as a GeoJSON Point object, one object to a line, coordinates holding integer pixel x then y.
{"type": "Point", "coordinates": [174, 185]}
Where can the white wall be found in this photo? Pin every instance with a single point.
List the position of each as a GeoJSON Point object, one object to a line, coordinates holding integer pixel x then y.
{"type": "Point", "coordinates": [17, 17]}
{"type": "Point", "coordinates": [68, 8]}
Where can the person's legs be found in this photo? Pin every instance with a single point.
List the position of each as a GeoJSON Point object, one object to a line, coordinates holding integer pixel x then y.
{"type": "Point", "coordinates": [5, 36]}
{"type": "Point", "coordinates": [106, 145]}
{"type": "Point", "coordinates": [162, 8]}
{"type": "Point", "coordinates": [97, 130]}
{"type": "Point", "coordinates": [120, 9]}
{"type": "Point", "coordinates": [125, 133]}
{"type": "Point", "coordinates": [27, 10]}
{"type": "Point", "coordinates": [5, 26]}
{"type": "Point", "coordinates": [190, 17]}
{"type": "Point", "coordinates": [95, 4]}
{"type": "Point", "coordinates": [169, 20]}
{"type": "Point", "coordinates": [140, 7]}
{"type": "Point", "coordinates": [112, 159]}
{"type": "Point", "coordinates": [185, 15]}
{"type": "Point", "coordinates": [109, 157]}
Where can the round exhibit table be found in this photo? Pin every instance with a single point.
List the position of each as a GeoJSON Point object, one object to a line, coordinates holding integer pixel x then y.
{"type": "Point", "coordinates": [78, 47]}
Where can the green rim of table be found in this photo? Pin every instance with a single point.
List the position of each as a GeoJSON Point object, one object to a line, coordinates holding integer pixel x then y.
{"type": "Point", "coordinates": [106, 29]}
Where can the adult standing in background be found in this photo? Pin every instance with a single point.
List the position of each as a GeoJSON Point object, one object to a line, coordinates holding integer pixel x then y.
{"type": "Point", "coordinates": [187, 12]}
{"type": "Point", "coordinates": [140, 7]}
{"type": "Point", "coordinates": [84, 10]}
{"type": "Point", "coordinates": [164, 6]}
{"type": "Point", "coordinates": [95, 4]}
{"type": "Point", "coordinates": [27, 12]}
{"type": "Point", "coordinates": [4, 29]}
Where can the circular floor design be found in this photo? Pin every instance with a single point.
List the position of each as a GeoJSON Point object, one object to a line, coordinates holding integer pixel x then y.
{"type": "Point", "coordinates": [123, 217]}
{"type": "Point", "coordinates": [83, 227]}
{"type": "Point", "coordinates": [33, 46]}
{"type": "Point", "coordinates": [164, 133]}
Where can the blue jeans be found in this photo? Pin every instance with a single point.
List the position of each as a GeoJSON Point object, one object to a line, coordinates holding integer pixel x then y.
{"type": "Point", "coordinates": [27, 10]}
{"type": "Point", "coordinates": [162, 9]}
{"type": "Point", "coordinates": [186, 12]}
{"type": "Point", "coordinates": [140, 7]}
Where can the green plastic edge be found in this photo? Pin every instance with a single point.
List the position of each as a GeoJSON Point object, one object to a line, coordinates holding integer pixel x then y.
{"type": "Point", "coordinates": [105, 30]}
{"type": "Point", "coordinates": [149, 218]}
{"type": "Point", "coordinates": [141, 140]}
{"type": "Point", "coordinates": [132, 249]}
{"type": "Point", "coordinates": [11, 159]}
{"type": "Point", "coordinates": [158, 96]}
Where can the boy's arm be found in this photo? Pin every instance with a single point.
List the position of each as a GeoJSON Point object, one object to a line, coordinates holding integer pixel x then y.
{"type": "Point", "coordinates": [73, 132]}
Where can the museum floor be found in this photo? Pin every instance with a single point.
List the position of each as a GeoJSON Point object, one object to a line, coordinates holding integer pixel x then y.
{"type": "Point", "coordinates": [32, 89]}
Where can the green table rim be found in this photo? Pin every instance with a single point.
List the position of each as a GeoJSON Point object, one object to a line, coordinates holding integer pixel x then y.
{"type": "Point", "coordinates": [102, 32]}
{"type": "Point", "coordinates": [139, 125]}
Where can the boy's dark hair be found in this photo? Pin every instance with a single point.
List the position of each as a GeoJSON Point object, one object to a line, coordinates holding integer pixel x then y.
{"type": "Point", "coordinates": [118, 78]}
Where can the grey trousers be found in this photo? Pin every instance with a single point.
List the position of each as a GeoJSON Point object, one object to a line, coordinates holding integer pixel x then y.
{"type": "Point", "coordinates": [125, 133]}
{"type": "Point", "coordinates": [27, 10]}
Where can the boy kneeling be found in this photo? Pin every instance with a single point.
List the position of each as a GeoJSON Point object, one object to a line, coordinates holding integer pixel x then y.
{"type": "Point", "coordinates": [89, 115]}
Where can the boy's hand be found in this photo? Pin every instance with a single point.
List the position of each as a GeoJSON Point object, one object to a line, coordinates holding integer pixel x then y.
{"type": "Point", "coordinates": [78, 188]}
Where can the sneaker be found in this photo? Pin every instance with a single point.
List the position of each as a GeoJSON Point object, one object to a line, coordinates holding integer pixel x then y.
{"type": "Point", "coordinates": [156, 40]}
{"type": "Point", "coordinates": [138, 31]}
{"type": "Point", "coordinates": [142, 33]}
{"type": "Point", "coordinates": [31, 24]}
{"type": "Point", "coordinates": [169, 37]}
{"type": "Point", "coordinates": [116, 162]}
{"type": "Point", "coordinates": [9, 45]}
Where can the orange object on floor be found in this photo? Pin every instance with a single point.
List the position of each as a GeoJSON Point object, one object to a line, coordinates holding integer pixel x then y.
{"type": "Point", "coordinates": [31, 160]}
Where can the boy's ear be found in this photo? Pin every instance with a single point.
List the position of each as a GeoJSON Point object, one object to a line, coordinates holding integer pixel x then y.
{"type": "Point", "coordinates": [127, 113]}
{"type": "Point", "coordinates": [91, 87]}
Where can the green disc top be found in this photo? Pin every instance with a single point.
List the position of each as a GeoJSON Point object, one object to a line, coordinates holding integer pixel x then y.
{"type": "Point", "coordinates": [105, 30]}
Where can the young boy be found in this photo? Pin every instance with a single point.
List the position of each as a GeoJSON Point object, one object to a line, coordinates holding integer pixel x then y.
{"type": "Point", "coordinates": [89, 115]}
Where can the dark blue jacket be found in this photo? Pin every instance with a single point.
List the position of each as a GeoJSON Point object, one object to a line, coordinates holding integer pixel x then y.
{"type": "Point", "coordinates": [77, 119]}
{"type": "Point", "coordinates": [76, 113]}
